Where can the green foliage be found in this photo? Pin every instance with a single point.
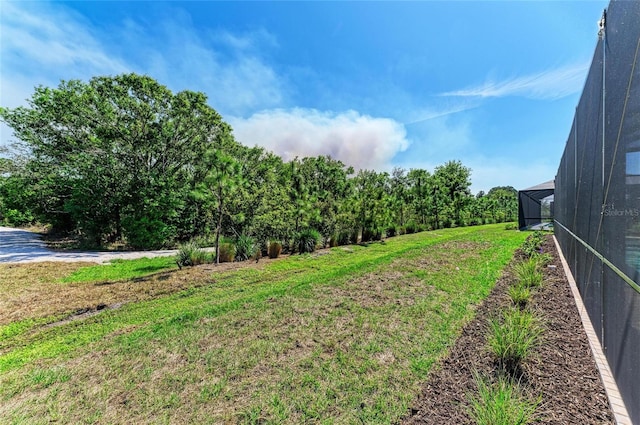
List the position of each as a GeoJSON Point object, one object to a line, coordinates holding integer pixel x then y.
{"type": "Point", "coordinates": [123, 159]}
{"type": "Point", "coordinates": [528, 273]}
{"type": "Point", "coordinates": [543, 259]}
{"type": "Point", "coordinates": [422, 195]}
{"type": "Point", "coordinates": [146, 233]}
{"type": "Point", "coordinates": [17, 195]}
{"type": "Point", "coordinates": [453, 182]}
{"type": "Point", "coordinates": [497, 206]}
{"type": "Point", "coordinates": [513, 336]}
{"type": "Point", "coordinates": [391, 231]}
{"type": "Point", "coordinates": [345, 238]}
{"type": "Point", "coordinates": [501, 403]}
{"type": "Point", "coordinates": [511, 226]}
{"type": "Point", "coordinates": [520, 295]}
{"type": "Point", "coordinates": [104, 151]}
{"type": "Point", "coordinates": [12, 217]}
{"type": "Point", "coordinates": [306, 240]}
{"type": "Point", "coordinates": [245, 247]}
{"type": "Point", "coordinates": [190, 254]}
{"type": "Point", "coordinates": [533, 243]}
{"type": "Point", "coordinates": [410, 228]}
{"type": "Point", "coordinates": [226, 252]}
{"type": "Point", "coordinates": [371, 235]}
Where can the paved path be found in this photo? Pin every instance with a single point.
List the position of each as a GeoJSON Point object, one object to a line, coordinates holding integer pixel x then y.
{"type": "Point", "coordinates": [22, 246]}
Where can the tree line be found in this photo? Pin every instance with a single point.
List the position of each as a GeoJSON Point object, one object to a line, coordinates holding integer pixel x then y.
{"type": "Point", "coordinates": [124, 159]}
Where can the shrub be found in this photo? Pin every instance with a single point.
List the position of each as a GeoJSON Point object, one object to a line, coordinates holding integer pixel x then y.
{"type": "Point", "coordinates": [17, 218]}
{"type": "Point", "coordinates": [245, 248]}
{"type": "Point", "coordinates": [275, 248]}
{"type": "Point", "coordinates": [410, 227]}
{"type": "Point", "coordinates": [371, 235]}
{"type": "Point", "coordinates": [533, 243]}
{"type": "Point", "coordinates": [333, 241]}
{"type": "Point", "coordinates": [306, 240]}
{"type": "Point", "coordinates": [391, 231]}
{"type": "Point", "coordinates": [528, 273]}
{"type": "Point", "coordinates": [190, 254]}
{"type": "Point", "coordinates": [227, 251]}
{"type": "Point", "coordinates": [501, 403]}
{"type": "Point", "coordinates": [511, 226]}
{"type": "Point", "coordinates": [512, 337]}
{"type": "Point", "coordinates": [344, 238]}
{"type": "Point", "coordinates": [146, 233]}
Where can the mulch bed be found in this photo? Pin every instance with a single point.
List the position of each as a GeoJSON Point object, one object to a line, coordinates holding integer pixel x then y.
{"type": "Point", "coordinates": [562, 371]}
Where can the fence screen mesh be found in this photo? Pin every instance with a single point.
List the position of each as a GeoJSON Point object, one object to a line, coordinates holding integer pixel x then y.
{"type": "Point", "coordinates": [597, 197]}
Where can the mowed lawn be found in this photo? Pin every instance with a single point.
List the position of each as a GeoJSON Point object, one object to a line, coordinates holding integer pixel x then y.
{"type": "Point", "coordinates": [345, 335]}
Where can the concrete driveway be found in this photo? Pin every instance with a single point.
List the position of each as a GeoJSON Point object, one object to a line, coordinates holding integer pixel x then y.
{"type": "Point", "coordinates": [22, 246]}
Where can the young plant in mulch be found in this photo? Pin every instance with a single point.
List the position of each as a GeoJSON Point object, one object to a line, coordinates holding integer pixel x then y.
{"type": "Point", "coordinates": [528, 273]}
{"type": "Point", "coordinates": [533, 243]}
{"type": "Point", "coordinates": [501, 403]}
{"type": "Point", "coordinates": [543, 258]}
{"type": "Point", "coordinates": [520, 295]}
{"type": "Point", "coordinates": [512, 338]}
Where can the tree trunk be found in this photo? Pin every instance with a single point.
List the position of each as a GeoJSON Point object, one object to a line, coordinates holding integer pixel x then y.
{"type": "Point", "coordinates": [219, 226]}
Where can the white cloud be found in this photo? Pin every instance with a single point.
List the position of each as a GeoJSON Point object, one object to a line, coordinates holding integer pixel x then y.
{"type": "Point", "coordinates": [224, 66]}
{"type": "Point", "coordinates": [42, 43]}
{"type": "Point", "coordinates": [248, 41]}
{"type": "Point", "coordinates": [38, 41]}
{"type": "Point", "coordinates": [428, 114]}
{"type": "Point", "coordinates": [361, 141]}
{"type": "Point", "coordinates": [549, 84]}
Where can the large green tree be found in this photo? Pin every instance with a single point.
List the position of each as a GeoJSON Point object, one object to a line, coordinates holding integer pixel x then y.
{"type": "Point", "coordinates": [454, 181]}
{"type": "Point", "coordinates": [115, 157]}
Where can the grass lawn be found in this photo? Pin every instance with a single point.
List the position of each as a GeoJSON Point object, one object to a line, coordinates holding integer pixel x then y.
{"type": "Point", "coordinates": [341, 336]}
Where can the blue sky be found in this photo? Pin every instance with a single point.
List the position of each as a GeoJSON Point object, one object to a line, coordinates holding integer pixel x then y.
{"type": "Point", "coordinates": [374, 84]}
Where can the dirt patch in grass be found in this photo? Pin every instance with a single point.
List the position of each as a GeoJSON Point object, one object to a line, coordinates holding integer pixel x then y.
{"type": "Point", "coordinates": [562, 370]}
{"type": "Point", "coordinates": [32, 290]}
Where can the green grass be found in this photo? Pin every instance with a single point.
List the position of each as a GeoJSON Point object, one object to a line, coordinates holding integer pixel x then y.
{"type": "Point", "coordinates": [122, 269]}
{"type": "Point", "coordinates": [342, 337]}
{"type": "Point", "coordinates": [528, 272]}
{"type": "Point", "coordinates": [513, 336]}
{"type": "Point", "coordinates": [520, 295]}
{"type": "Point", "coordinates": [501, 403]}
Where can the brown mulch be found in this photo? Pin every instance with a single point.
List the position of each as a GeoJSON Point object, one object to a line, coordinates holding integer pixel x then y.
{"type": "Point", "coordinates": [562, 371]}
